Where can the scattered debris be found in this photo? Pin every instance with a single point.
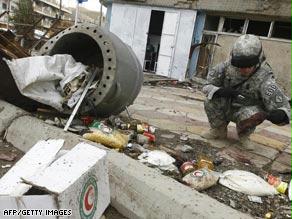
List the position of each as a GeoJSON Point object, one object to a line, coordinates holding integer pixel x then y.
{"type": "Point", "coordinates": [168, 136]}
{"type": "Point", "coordinates": [269, 215]}
{"type": "Point", "coordinates": [184, 148]}
{"type": "Point", "coordinates": [36, 78]}
{"type": "Point", "coordinates": [8, 157]}
{"type": "Point", "coordinates": [283, 211]}
{"type": "Point", "coordinates": [136, 147]}
{"type": "Point", "coordinates": [184, 137]}
{"type": "Point", "coordinates": [232, 203]}
{"type": "Point", "coordinates": [218, 160]}
{"type": "Point", "coordinates": [106, 136]}
{"type": "Point", "coordinates": [290, 190]}
{"type": "Point", "coordinates": [277, 183]}
{"type": "Point", "coordinates": [205, 162]}
{"type": "Point", "coordinates": [158, 158]}
{"type": "Point", "coordinates": [142, 139]}
{"type": "Point", "coordinates": [187, 167]}
{"type": "Point", "coordinates": [255, 199]}
{"type": "Point", "coordinates": [201, 179]}
{"type": "Point", "coordinates": [6, 166]}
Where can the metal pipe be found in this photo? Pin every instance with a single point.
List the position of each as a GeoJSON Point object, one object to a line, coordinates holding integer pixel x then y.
{"type": "Point", "coordinates": [121, 77]}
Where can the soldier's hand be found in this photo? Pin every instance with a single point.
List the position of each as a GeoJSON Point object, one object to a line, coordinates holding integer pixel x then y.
{"type": "Point", "coordinates": [278, 117]}
{"type": "Point", "coordinates": [227, 92]}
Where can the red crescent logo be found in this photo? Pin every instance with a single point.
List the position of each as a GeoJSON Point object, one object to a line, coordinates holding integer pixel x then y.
{"type": "Point", "coordinates": [88, 206]}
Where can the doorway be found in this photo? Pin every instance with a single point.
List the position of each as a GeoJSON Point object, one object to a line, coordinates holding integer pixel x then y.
{"type": "Point", "coordinates": [153, 41]}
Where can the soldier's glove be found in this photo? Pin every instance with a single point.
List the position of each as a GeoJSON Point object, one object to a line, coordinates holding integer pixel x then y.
{"type": "Point", "coordinates": [227, 92]}
{"type": "Point", "coordinates": [278, 117]}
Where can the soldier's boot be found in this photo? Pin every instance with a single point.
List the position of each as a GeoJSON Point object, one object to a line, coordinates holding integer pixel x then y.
{"type": "Point", "coordinates": [245, 142]}
{"type": "Point", "coordinates": [215, 133]}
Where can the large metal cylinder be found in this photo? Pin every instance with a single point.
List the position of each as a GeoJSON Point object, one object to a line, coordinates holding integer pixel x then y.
{"type": "Point", "coordinates": [121, 77]}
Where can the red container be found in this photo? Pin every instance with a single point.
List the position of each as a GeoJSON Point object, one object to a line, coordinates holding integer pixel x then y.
{"type": "Point", "coordinates": [151, 137]}
{"type": "Point", "coordinates": [87, 120]}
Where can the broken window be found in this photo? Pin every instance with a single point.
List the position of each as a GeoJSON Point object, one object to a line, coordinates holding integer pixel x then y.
{"type": "Point", "coordinates": [233, 25]}
{"type": "Point", "coordinates": [260, 28]}
{"type": "Point", "coordinates": [282, 30]}
{"type": "Point", "coordinates": [212, 22]}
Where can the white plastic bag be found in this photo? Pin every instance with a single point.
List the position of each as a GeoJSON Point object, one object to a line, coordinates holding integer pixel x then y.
{"type": "Point", "coordinates": [158, 158]}
{"type": "Point", "coordinates": [290, 190]}
{"type": "Point", "coordinates": [36, 77]}
{"type": "Point", "coordinates": [247, 183]}
{"type": "Point", "coordinates": [201, 179]}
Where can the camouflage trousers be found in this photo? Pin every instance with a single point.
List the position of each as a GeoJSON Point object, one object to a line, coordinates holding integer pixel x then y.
{"type": "Point", "coordinates": [220, 112]}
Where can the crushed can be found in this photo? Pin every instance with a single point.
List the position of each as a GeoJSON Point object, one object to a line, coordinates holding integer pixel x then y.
{"type": "Point", "coordinates": [187, 167]}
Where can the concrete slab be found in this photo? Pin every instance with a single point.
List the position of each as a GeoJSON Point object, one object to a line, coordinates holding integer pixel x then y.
{"type": "Point", "coordinates": [8, 113]}
{"type": "Point", "coordinates": [153, 114]}
{"type": "Point", "coordinates": [136, 190]}
{"type": "Point", "coordinates": [167, 124]}
{"type": "Point", "coordinates": [238, 154]}
{"type": "Point", "coordinates": [263, 150]}
{"type": "Point", "coordinates": [280, 168]}
{"type": "Point", "coordinates": [279, 130]}
{"type": "Point", "coordinates": [276, 136]}
{"type": "Point", "coordinates": [270, 142]}
{"type": "Point", "coordinates": [284, 158]}
{"type": "Point", "coordinates": [288, 149]}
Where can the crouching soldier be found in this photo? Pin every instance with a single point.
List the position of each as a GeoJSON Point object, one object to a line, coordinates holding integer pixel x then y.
{"type": "Point", "coordinates": [243, 90]}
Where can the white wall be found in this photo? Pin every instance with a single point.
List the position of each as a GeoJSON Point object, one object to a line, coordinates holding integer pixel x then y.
{"type": "Point", "coordinates": [131, 23]}
{"type": "Point", "coordinates": [182, 47]}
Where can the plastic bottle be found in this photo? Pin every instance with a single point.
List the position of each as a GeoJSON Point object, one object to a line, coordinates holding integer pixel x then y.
{"type": "Point", "coordinates": [277, 183]}
{"type": "Point", "coordinates": [205, 162]}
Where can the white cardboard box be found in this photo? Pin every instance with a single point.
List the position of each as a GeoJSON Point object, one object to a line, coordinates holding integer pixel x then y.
{"type": "Point", "coordinates": [73, 186]}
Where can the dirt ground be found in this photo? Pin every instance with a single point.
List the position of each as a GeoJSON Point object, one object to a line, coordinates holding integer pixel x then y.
{"type": "Point", "coordinates": [278, 205]}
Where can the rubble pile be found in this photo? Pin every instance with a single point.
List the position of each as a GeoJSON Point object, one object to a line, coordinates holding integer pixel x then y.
{"type": "Point", "coordinates": [235, 182]}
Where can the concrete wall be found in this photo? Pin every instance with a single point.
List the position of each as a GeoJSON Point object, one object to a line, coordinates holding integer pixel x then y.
{"type": "Point", "coordinates": [273, 8]}
{"type": "Point", "coordinates": [278, 55]}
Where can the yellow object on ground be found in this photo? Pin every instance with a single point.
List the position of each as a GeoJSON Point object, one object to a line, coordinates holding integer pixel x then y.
{"type": "Point", "coordinates": [113, 139]}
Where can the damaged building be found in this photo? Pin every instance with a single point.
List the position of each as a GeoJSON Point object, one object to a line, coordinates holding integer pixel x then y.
{"type": "Point", "coordinates": [184, 38]}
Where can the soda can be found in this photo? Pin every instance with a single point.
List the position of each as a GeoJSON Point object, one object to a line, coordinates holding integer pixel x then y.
{"type": "Point", "coordinates": [187, 167]}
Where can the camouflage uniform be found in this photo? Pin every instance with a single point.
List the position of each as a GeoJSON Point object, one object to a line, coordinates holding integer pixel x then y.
{"type": "Point", "coordinates": [259, 94]}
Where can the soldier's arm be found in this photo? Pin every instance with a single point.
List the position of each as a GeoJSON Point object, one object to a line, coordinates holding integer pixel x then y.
{"type": "Point", "coordinates": [215, 79]}
{"type": "Point", "coordinates": [274, 98]}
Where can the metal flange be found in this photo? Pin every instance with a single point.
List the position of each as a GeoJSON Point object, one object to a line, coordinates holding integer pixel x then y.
{"type": "Point", "coordinates": [121, 74]}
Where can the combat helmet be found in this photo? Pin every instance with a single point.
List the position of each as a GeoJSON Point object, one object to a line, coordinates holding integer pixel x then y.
{"type": "Point", "coordinates": [247, 51]}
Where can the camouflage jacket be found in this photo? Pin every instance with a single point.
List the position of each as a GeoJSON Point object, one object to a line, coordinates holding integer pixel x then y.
{"type": "Point", "coordinates": [258, 89]}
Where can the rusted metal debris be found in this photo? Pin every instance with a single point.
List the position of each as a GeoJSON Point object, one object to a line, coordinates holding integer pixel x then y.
{"type": "Point", "coordinates": [10, 48]}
